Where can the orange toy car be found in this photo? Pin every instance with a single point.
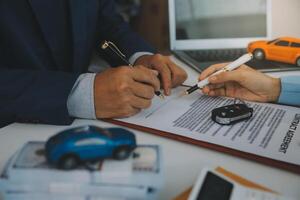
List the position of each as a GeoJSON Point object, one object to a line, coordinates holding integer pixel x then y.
{"type": "Point", "coordinates": [285, 49]}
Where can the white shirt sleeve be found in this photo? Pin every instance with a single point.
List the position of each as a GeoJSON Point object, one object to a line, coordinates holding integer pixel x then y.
{"type": "Point", "coordinates": [81, 98]}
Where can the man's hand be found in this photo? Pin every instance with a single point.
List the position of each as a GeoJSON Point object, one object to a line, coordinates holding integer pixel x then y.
{"type": "Point", "coordinates": [124, 91]}
{"type": "Point", "coordinates": [244, 83]}
{"type": "Point", "coordinates": [170, 74]}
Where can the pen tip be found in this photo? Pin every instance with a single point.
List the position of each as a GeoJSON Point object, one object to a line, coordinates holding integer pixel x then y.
{"type": "Point", "coordinates": [162, 96]}
{"type": "Point", "coordinates": [159, 94]}
{"type": "Point", "coordinates": [184, 93]}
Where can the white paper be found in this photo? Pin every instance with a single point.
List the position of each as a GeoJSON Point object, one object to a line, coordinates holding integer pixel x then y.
{"type": "Point", "coordinates": [272, 132]}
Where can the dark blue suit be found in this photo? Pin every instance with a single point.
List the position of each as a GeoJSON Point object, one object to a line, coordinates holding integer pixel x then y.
{"type": "Point", "coordinates": [45, 45]}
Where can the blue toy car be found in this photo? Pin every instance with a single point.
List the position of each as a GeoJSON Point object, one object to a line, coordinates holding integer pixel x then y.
{"type": "Point", "coordinates": [69, 148]}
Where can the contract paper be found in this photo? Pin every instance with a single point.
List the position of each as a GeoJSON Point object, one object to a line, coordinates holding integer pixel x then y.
{"type": "Point", "coordinates": [272, 132]}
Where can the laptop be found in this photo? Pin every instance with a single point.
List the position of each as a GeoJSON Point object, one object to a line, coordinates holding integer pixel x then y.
{"type": "Point", "coordinates": [206, 32]}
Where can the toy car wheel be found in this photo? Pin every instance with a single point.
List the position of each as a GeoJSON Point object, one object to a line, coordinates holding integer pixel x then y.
{"type": "Point", "coordinates": [121, 153]}
{"type": "Point", "coordinates": [68, 162]}
{"type": "Point", "coordinates": [259, 54]}
{"type": "Point", "coordinates": [298, 62]}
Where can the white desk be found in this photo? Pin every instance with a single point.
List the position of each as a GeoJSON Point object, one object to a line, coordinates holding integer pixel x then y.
{"type": "Point", "coordinates": [182, 162]}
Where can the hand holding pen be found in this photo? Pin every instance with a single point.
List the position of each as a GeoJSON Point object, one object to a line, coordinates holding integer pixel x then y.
{"type": "Point", "coordinates": [117, 52]}
{"type": "Point", "coordinates": [243, 83]}
{"type": "Point", "coordinates": [170, 74]}
{"type": "Point", "coordinates": [229, 67]}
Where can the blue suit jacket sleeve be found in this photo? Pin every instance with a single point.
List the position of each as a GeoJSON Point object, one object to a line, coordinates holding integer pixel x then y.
{"type": "Point", "coordinates": [290, 90]}
{"type": "Point", "coordinates": [113, 28]}
{"type": "Point", "coordinates": [34, 96]}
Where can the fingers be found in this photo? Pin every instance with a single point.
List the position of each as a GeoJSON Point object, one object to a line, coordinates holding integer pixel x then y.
{"type": "Point", "coordinates": [217, 92]}
{"type": "Point", "coordinates": [158, 62]}
{"type": "Point", "coordinates": [139, 98]}
{"type": "Point", "coordinates": [216, 86]}
{"type": "Point", "coordinates": [140, 103]}
{"type": "Point", "coordinates": [178, 74]}
{"type": "Point", "coordinates": [166, 78]}
{"type": "Point", "coordinates": [226, 77]}
{"type": "Point", "coordinates": [210, 87]}
{"type": "Point", "coordinates": [237, 75]}
{"type": "Point", "coordinates": [170, 74]}
{"type": "Point", "coordinates": [230, 89]}
{"type": "Point", "coordinates": [144, 75]}
{"type": "Point", "coordinates": [212, 69]}
{"type": "Point", "coordinates": [142, 90]}
{"type": "Point", "coordinates": [156, 73]}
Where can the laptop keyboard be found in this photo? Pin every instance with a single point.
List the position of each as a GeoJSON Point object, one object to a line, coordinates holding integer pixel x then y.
{"type": "Point", "coordinates": [216, 55]}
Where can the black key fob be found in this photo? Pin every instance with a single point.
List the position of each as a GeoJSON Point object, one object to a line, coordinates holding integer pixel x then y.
{"type": "Point", "coordinates": [231, 114]}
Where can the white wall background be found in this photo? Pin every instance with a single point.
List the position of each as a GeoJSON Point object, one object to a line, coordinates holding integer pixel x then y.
{"type": "Point", "coordinates": [218, 8]}
{"type": "Point", "coordinates": [286, 18]}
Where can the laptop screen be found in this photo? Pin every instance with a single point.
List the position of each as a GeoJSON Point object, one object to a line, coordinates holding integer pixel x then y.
{"type": "Point", "coordinates": [220, 19]}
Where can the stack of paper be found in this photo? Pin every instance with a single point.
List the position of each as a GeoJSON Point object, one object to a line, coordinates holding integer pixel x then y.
{"type": "Point", "coordinates": [28, 176]}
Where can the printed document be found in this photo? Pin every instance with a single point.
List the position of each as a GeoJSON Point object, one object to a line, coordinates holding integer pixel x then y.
{"type": "Point", "coordinates": [272, 132]}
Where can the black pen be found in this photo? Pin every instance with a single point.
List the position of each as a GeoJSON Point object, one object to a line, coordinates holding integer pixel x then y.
{"type": "Point", "coordinates": [116, 50]}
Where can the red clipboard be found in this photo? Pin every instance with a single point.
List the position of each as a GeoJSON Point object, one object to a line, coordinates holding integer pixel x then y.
{"type": "Point", "coordinates": [260, 159]}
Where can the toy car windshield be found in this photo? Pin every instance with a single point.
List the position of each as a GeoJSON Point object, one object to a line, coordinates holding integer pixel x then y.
{"type": "Point", "coordinates": [87, 129]}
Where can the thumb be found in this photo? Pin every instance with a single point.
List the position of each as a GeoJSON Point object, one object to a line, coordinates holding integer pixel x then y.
{"type": "Point", "coordinates": [226, 77]}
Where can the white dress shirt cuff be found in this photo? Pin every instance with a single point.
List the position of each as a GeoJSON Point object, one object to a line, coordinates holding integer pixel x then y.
{"type": "Point", "coordinates": [81, 98]}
